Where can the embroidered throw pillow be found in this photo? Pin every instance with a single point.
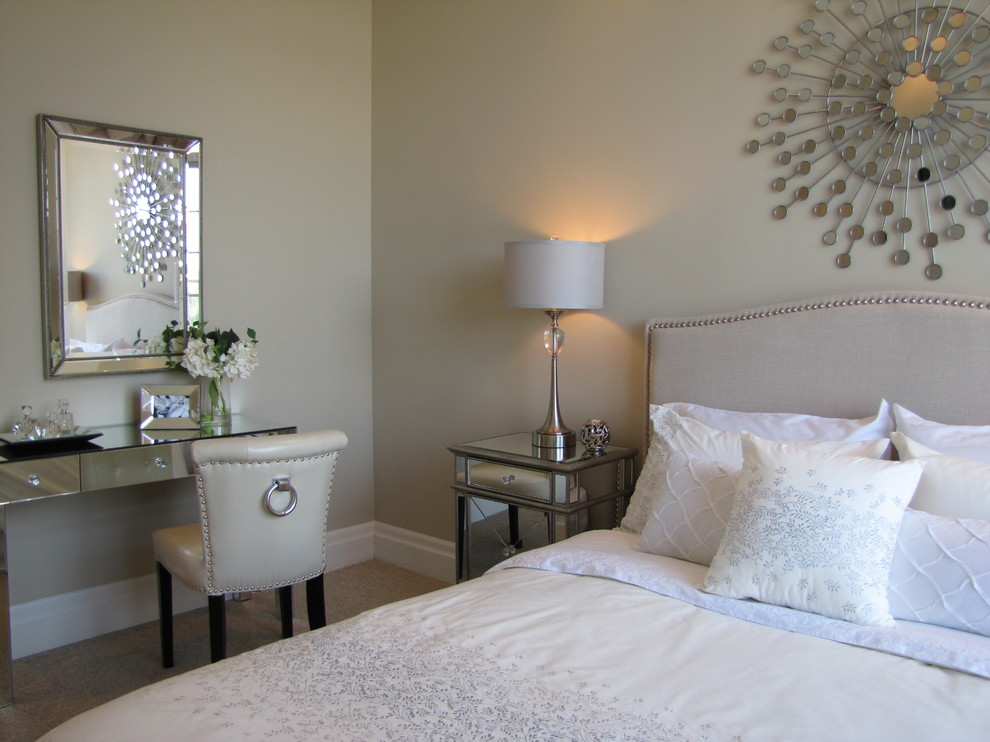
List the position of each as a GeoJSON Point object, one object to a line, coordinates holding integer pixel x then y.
{"type": "Point", "coordinates": [813, 531]}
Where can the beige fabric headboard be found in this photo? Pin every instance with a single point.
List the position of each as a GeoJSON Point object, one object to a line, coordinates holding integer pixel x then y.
{"type": "Point", "coordinates": [835, 356]}
{"type": "Point", "coordinates": [120, 318]}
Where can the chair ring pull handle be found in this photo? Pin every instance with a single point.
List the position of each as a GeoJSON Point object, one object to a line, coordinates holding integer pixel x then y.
{"type": "Point", "coordinates": [281, 484]}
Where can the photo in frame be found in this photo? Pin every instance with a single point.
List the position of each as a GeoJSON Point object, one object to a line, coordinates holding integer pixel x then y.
{"type": "Point", "coordinates": [170, 406]}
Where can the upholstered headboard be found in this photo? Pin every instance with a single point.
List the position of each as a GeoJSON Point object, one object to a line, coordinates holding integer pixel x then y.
{"type": "Point", "coordinates": [120, 318]}
{"type": "Point", "coordinates": [835, 356]}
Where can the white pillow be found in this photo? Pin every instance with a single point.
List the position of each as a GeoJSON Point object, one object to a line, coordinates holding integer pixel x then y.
{"type": "Point", "coordinates": [950, 485]}
{"type": "Point", "coordinates": [671, 431]}
{"type": "Point", "coordinates": [780, 426]}
{"type": "Point", "coordinates": [968, 441]}
{"type": "Point", "coordinates": [813, 531]}
{"type": "Point", "coordinates": [940, 573]}
{"type": "Point", "coordinates": [694, 493]}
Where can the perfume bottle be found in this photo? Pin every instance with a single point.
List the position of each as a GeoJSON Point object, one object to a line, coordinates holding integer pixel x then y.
{"type": "Point", "coordinates": [65, 424]}
{"type": "Point", "coordinates": [25, 427]}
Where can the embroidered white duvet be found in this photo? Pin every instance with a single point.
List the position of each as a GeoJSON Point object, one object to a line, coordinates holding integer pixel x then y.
{"type": "Point", "coordinates": [536, 654]}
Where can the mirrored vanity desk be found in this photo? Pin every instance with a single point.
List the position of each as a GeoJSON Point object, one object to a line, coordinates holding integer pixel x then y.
{"type": "Point", "coordinates": [122, 455]}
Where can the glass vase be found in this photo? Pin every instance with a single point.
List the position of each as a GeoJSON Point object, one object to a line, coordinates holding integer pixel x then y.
{"type": "Point", "coordinates": [214, 404]}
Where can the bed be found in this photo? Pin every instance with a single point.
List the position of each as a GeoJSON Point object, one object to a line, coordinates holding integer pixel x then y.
{"type": "Point", "coordinates": [764, 426]}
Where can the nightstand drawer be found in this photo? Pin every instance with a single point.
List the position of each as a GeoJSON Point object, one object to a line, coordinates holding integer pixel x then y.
{"type": "Point", "coordinates": [531, 484]}
{"type": "Point", "coordinates": [27, 480]}
{"type": "Point", "coordinates": [107, 469]}
{"type": "Point", "coordinates": [512, 480]}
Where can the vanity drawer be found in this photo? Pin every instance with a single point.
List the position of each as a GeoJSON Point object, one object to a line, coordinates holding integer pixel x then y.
{"type": "Point", "coordinates": [108, 469]}
{"type": "Point", "coordinates": [28, 480]}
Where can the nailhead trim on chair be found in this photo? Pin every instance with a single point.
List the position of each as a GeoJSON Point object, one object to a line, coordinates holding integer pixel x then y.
{"type": "Point", "coordinates": [213, 590]}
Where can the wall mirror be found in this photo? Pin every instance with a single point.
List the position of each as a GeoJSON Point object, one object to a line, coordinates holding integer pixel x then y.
{"type": "Point", "coordinates": [121, 228]}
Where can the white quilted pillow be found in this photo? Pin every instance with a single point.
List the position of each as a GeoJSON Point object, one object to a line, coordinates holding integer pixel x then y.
{"type": "Point", "coordinates": [940, 573]}
{"type": "Point", "coordinates": [693, 492]}
{"type": "Point", "coordinates": [691, 509]}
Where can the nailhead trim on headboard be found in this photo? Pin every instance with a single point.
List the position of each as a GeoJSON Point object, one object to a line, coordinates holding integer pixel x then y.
{"type": "Point", "coordinates": [830, 304]}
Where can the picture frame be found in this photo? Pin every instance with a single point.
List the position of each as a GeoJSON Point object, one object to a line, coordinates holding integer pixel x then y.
{"type": "Point", "coordinates": [170, 406]}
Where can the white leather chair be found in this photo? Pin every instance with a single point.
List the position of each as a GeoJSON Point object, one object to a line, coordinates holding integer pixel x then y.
{"type": "Point", "coordinates": [263, 515]}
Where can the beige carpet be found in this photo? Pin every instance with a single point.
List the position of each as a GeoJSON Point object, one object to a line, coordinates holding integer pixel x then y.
{"type": "Point", "coordinates": [53, 686]}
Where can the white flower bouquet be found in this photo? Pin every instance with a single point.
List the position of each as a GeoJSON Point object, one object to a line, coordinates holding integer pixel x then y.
{"type": "Point", "coordinates": [216, 355]}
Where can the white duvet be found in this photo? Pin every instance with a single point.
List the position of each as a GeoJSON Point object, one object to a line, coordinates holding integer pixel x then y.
{"type": "Point", "coordinates": [537, 654]}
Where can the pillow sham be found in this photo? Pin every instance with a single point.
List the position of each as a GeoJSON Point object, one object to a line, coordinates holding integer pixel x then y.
{"type": "Point", "coordinates": [779, 426]}
{"type": "Point", "coordinates": [968, 441]}
{"type": "Point", "coordinates": [694, 493]}
{"type": "Point", "coordinates": [950, 485]}
{"type": "Point", "coordinates": [940, 573]}
{"type": "Point", "coordinates": [813, 531]}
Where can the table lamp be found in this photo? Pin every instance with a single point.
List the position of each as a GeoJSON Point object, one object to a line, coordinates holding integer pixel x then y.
{"type": "Point", "coordinates": [554, 275]}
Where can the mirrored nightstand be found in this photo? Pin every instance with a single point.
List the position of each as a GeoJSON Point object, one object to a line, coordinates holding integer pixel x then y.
{"type": "Point", "coordinates": [512, 496]}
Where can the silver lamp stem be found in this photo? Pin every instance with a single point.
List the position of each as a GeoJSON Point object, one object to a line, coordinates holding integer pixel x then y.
{"type": "Point", "coordinates": [554, 434]}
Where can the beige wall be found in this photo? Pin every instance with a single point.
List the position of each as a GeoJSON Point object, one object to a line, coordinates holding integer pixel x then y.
{"type": "Point", "coordinates": [615, 120]}
{"type": "Point", "coordinates": [280, 92]}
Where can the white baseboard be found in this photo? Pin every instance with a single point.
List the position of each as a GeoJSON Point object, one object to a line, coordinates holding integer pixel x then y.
{"type": "Point", "coordinates": [43, 624]}
{"type": "Point", "coordinates": [426, 555]}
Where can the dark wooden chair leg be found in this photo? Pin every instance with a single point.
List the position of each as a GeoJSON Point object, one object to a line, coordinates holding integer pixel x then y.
{"type": "Point", "coordinates": [285, 608]}
{"type": "Point", "coordinates": [315, 604]}
{"type": "Point", "coordinates": [165, 615]}
{"type": "Point", "coordinates": [218, 627]}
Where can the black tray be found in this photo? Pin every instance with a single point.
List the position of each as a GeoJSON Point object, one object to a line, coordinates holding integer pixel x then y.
{"type": "Point", "coordinates": [78, 439]}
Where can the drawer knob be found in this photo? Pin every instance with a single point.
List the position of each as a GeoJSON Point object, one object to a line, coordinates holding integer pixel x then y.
{"type": "Point", "coordinates": [34, 480]}
{"type": "Point", "coordinates": [508, 479]}
{"type": "Point", "coordinates": [161, 463]}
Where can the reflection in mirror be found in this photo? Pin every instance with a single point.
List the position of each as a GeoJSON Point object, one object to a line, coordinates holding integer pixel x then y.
{"type": "Point", "coordinates": [121, 212]}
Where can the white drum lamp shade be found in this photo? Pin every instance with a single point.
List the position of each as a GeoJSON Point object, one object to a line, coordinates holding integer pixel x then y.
{"type": "Point", "coordinates": [555, 274]}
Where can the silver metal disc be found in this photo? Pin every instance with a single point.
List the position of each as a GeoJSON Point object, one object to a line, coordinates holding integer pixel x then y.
{"type": "Point", "coordinates": [901, 257]}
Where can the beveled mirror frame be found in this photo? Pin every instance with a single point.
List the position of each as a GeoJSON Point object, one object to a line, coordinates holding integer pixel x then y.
{"type": "Point", "coordinates": [56, 132]}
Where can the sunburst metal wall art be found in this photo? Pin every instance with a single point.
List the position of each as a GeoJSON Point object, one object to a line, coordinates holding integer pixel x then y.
{"type": "Point", "coordinates": [883, 122]}
{"type": "Point", "coordinates": [148, 211]}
